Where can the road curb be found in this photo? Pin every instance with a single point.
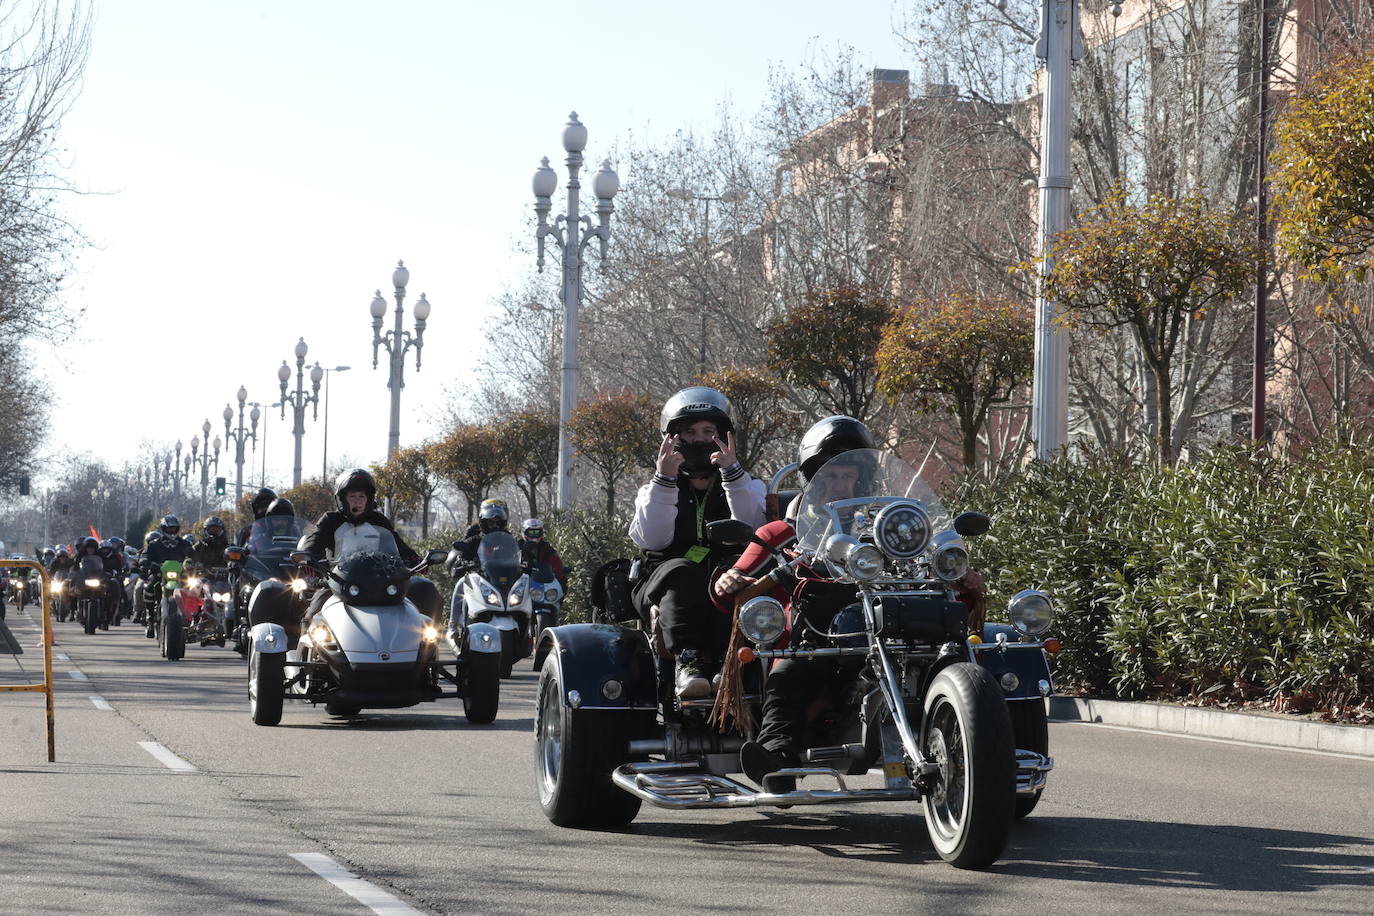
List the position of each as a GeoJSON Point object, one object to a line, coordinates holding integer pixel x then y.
{"type": "Point", "coordinates": [1214, 723]}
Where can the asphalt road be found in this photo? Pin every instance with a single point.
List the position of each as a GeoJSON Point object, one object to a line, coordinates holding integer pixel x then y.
{"type": "Point", "coordinates": [440, 816]}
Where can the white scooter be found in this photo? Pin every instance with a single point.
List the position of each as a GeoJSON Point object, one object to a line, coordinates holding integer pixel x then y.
{"type": "Point", "coordinates": [369, 646]}
{"type": "Point", "coordinates": [493, 590]}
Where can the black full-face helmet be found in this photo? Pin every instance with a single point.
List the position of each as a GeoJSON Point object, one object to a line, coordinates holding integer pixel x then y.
{"type": "Point", "coordinates": [88, 545]}
{"type": "Point", "coordinates": [828, 438]}
{"type": "Point", "coordinates": [214, 527]}
{"type": "Point", "coordinates": [171, 525]}
{"type": "Point", "coordinates": [280, 506]}
{"type": "Point", "coordinates": [355, 479]}
{"type": "Point", "coordinates": [691, 405]}
{"type": "Point", "coordinates": [261, 500]}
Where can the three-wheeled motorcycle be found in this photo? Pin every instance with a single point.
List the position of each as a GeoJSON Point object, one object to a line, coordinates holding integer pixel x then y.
{"type": "Point", "coordinates": [374, 644]}
{"type": "Point", "coordinates": [917, 705]}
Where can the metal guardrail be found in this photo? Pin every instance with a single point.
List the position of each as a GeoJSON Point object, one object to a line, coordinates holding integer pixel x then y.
{"type": "Point", "coordinates": [44, 688]}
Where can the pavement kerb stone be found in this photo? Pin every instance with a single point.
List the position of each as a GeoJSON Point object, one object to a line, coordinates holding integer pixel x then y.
{"type": "Point", "coordinates": [1215, 723]}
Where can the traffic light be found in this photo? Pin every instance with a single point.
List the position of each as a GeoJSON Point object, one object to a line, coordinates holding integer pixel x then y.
{"type": "Point", "coordinates": [66, 508]}
{"type": "Point", "coordinates": [24, 485]}
{"type": "Point", "coordinates": [219, 486]}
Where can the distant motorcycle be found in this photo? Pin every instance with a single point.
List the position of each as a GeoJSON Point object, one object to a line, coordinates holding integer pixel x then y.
{"type": "Point", "coordinates": [495, 590]}
{"type": "Point", "coordinates": [90, 590]}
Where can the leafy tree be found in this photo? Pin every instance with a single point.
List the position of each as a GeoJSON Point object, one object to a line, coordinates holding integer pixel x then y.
{"type": "Point", "coordinates": [613, 434]}
{"type": "Point", "coordinates": [1324, 171]}
{"type": "Point", "coordinates": [469, 458]}
{"type": "Point", "coordinates": [766, 420]}
{"type": "Point", "coordinates": [409, 476]}
{"type": "Point", "coordinates": [827, 345]}
{"type": "Point", "coordinates": [311, 499]}
{"type": "Point", "coordinates": [528, 441]}
{"type": "Point", "coordinates": [1150, 268]}
{"type": "Point", "coordinates": [960, 355]}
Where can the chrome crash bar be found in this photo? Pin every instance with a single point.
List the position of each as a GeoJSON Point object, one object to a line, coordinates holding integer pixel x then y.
{"type": "Point", "coordinates": [674, 785]}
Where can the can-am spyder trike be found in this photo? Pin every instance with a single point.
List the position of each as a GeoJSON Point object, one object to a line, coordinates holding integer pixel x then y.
{"type": "Point", "coordinates": [373, 644]}
{"type": "Point", "coordinates": [918, 705]}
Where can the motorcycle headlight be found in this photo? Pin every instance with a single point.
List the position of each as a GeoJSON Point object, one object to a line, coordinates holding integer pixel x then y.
{"type": "Point", "coordinates": [949, 559]}
{"type": "Point", "coordinates": [864, 562]}
{"type": "Point", "coordinates": [222, 596]}
{"type": "Point", "coordinates": [517, 592]}
{"type": "Point", "coordinates": [171, 575]}
{"type": "Point", "coordinates": [491, 596]}
{"type": "Point", "coordinates": [762, 620]}
{"type": "Point", "coordinates": [93, 583]}
{"type": "Point", "coordinates": [298, 585]}
{"type": "Point", "coordinates": [1031, 612]}
{"type": "Point", "coordinates": [430, 633]}
{"type": "Point", "coordinates": [57, 587]}
{"type": "Point", "coordinates": [192, 581]}
{"type": "Point", "coordinates": [902, 530]}
{"type": "Point", "coordinates": [536, 593]}
{"type": "Point", "coordinates": [320, 634]}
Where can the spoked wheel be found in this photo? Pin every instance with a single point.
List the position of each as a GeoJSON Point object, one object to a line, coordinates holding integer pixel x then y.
{"type": "Point", "coordinates": [966, 733]}
{"type": "Point", "coordinates": [483, 694]}
{"type": "Point", "coordinates": [575, 751]}
{"type": "Point", "coordinates": [1030, 729]}
{"type": "Point", "coordinates": [266, 686]}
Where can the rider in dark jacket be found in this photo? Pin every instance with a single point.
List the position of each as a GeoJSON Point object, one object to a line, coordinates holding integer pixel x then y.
{"type": "Point", "coordinates": [209, 550]}
{"type": "Point", "coordinates": [260, 503]}
{"type": "Point", "coordinates": [169, 545]}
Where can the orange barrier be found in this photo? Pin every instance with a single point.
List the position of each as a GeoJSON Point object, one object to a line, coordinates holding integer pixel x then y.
{"type": "Point", "coordinates": [45, 687]}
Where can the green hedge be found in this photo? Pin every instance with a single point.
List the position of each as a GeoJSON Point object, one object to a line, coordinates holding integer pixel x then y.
{"type": "Point", "coordinates": [1235, 577]}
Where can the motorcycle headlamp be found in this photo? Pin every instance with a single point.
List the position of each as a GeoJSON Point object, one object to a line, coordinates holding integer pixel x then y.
{"type": "Point", "coordinates": [93, 583]}
{"type": "Point", "coordinates": [517, 592]}
{"type": "Point", "coordinates": [490, 595]}
{"type": "Point", "coordinates": [192, 581]}
{"type": "Point", "coordinates": [1031, 612]}
{"type": "Point", "coordinates": [298, 585]}
{"type": "Point", "coordinates": [902, 529]}
{"type": "Point", "coordinates": [430, 633]}
{"type": "Point", "coordinates": [864, 562]}
{"type": "Point", "coordinates": [536, 593]}
{"type": "Point", "coordinates": [222, 596]}
{"type": "Point", "coordinates": [762, 620]}
{"type": "Point", "coordinates": [58, 586]}
{"type": "Point", "coordinates": [949, 558]}
{"type": "Point", "coordinates": [320, 634]}
{"type": "Point", "coordinates": [171, 575]}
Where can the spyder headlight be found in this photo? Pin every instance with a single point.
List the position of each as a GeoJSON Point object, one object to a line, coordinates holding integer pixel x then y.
{"type": "Point", "coordinates": [762, 620]}
{"type": "Point", "coordinates": [536, 593]}
{"type": "Point", "coordinates": [320, 634]}
{"type": "Point", "coordinates": [902, 529]}
{"type": "Point", "coordinates": [93, 583]}
{"type": "Point", "coordinates": [430, 633]}
{"type": "Point", "coordinates": [949, 558]}
{"type": "Point", "coordinates": [490, 595]}
{"type": "Point", "coordinates": [298, 585]}
{"type": "Point", "coordinates": [1031, 612]}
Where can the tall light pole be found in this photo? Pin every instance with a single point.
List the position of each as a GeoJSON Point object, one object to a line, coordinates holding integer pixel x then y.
{"type": "Point", "coordinates": [299, 400]}
{"type": "Point", "coordinates": [397, 342]}
{"type": "Point", "coordinates": [571, 232]}
{"type": "Point", "coordinates": [178, 476]}
{"type": "Point", "coordinates": [240, 437]}
{"type": "Point", "coordinates": [324, 462]}
{"type": "Point", "coordinates": [727, 197]}
{"type": "Point", "coordinates": [1059, 44]}
{"type": "Point", "coordinates": [204, 462]}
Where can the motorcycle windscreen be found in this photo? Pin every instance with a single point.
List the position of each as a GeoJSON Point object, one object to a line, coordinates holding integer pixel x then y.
{"type": "Point", "coordinates": [854, 474]}
{"type": "Point", "coordinates": [498, 557]}
{"type": "Point", "coordinates": [270, 542]}
{"type": "Point", "coordinates": [92, 566]}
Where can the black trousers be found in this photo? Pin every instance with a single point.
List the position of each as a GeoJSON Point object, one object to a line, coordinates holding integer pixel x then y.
{"type": "Point", "coordinates": [689, 620]}
{"type": "Point", "coordinates": [793, 685]}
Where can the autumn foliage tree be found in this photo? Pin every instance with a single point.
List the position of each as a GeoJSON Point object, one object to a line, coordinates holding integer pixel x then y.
{"type": "Point", "coordinates": [410, 478]}
{"type": "Point", "coordinates": [615, 434]}
{"type": "Point", "coordinates": [1150, 268]}
{"type": "Point", "coordinates": [960, 355]}
{"type": "Point", "coordinates": [470, 458]}
{"type": "Point", "coordinates": [1323, 172]}
{"type": "Point", "coordinates": [311, 499]}
{"type": "Point", "coordinates": [827, 345]}
{"type": "Point", "coordinates": [528, 441]}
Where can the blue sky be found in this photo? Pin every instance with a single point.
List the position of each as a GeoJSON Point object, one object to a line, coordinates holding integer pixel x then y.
{"type": "Point", "coordinates": [256, 169]}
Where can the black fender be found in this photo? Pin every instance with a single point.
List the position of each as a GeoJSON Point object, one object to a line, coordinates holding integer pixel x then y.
{"type": "Point", "coordinates": [1028, 662]}
{"type": "Point", "coordinates": [271, 602]}
{"type": "Point", "coordinates": [589, 655]}
{"type": "Point", "coordinates": [424, 594]}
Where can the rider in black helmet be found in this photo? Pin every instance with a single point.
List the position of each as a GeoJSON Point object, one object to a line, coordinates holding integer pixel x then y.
{"type": "Point", "coordinates": [260, 503]}
{"type": "Point", "coordinates": [209, 550]}
{"type": "Point", "coordinates": [698, 480]}
{"type": "Point", "coordinates": [169, 545]}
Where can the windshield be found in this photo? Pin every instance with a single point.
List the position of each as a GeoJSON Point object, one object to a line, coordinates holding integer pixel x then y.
{"type": "Point", "coordinates": [270, 542]}
{"type": "Point", "coordinates": [367, 537]}
{"type": "Point", "coordinates": [90, 564]}
{"type": "Point", "coordinates": [499, 558]}
{"type": "Point", "coordinates": [855, 474]}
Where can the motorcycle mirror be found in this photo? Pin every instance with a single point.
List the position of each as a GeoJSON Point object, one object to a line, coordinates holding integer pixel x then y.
{"type": "Point", "coordinates": [972, 524]}
{"type": "Point", "coordinates": [300, 556]}
{"type": "Point", "coordinates": [234, 554]}
{"type": "Point", "coordinates": [435, 557]}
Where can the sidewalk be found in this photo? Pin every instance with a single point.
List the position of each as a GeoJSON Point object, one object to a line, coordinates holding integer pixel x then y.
{"type": "Point", "coordinates": [1201, 722]}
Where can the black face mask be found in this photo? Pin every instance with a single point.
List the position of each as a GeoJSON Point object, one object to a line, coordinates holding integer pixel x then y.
{"type": "Point", "coordinates": [696, 456]}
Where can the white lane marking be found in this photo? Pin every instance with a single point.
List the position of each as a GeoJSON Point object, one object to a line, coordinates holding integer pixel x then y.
{"type": "Point", "coordinates": [1252, 744]}
{"type": "Point", "coordinates": [77, 675]}
{"type": "Point", "coordinates": [60, 656]}
{"type": "Point", "coordinates": [101, 703]}
{"type": "Point", "coordinates": [369, 895]}
{"type": "Point", "coordinates": [166, 757]}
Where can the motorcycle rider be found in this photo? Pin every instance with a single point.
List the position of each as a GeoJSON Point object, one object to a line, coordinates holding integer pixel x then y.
{"type": "Point", "coordinates": [492, 516]}
{"type": "Point", "coordinates": [697, 480]}
{"type": "Point", "coordinates": [794, 684]}
{"type": "Point", "coordinates": [209, 550]}
{"type": "Point", "coordinates": [536, 550]}
{"type": "Point", "coordinates": [60, 569]}
{"type": "Point", "coordinates": [352, 527]}
{"type": "Point", "coordinates": [166, 543]}
{"type": "Point", "coordinates": [260, 503]}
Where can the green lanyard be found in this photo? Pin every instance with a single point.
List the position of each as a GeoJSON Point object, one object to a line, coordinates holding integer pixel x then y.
{"type": "Point", "coordinates": [701, 512]}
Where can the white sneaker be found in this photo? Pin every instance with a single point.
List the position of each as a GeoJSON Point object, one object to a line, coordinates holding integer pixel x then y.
{"type": "Point", "coordinates": [692, 686]}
